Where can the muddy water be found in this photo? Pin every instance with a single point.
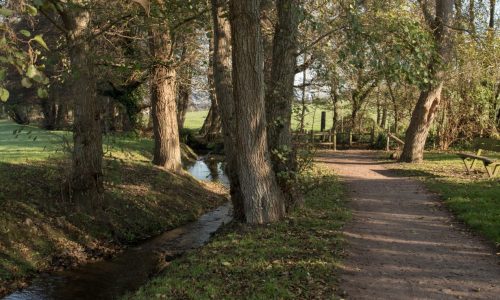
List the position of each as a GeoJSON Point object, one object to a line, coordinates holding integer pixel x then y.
{"type": "Point", "coordinates": [130, 269]}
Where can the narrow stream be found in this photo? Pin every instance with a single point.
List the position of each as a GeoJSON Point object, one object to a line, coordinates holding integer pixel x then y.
{"type": "Point", "coordinates": [208, 169]}
{"type": "Point", "coordinates": [132, 268]}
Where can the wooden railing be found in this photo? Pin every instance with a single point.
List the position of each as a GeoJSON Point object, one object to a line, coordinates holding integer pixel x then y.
{"type": "Point", "coordinates": [330, 139]}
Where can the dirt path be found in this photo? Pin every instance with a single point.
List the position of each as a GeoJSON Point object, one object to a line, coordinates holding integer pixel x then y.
{"type": "Point", "coordinates": [403, 245]}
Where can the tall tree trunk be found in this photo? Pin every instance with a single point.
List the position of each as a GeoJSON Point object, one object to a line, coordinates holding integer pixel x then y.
{"type": "Point", "coordinates": [49, 111]}
{"type": "Point", "coordinates": [263, 200]}
{"type": "Point", "coordinates": [354, 119]}
{"type": "Point", "coordinates": [267, 32]}
{"type": "Point", "coordinates": [383, 122]}
{"type": "Point", "coordinates": [428, 102]}
{"type": "Point", "coordinates": [491, 23]}
{"type": "Point", "coordinates": [395, 107]}
{"type": "Point", "coordinates": [184, 83]}
{"type": "Point", "coordinates": [224, 93]}
{"type": "Point", "coordinates": [62, 114]}
{"type": "Point", "coordinates": [167, 152]}
{"type": "Point", "coordinates": [279, 99]}
{"type": "Point", "coordinates": [211, 128]}
{"type": "Point", "coordinates": [335, 99]}
{"type": "Point", "coordinates": [18, 114]}
{"type": "Point", "coordinates": [472, 16]}
{"type": "Point", "coordinates": [494, 84]}
{"type": "Point", "coordinates": [87, 176]}
{"type": "Point", "coordinates": [303, 99]}
{"type": "Point", "coordinates": [184, 93]}
{"type": "Point", "coordinates": [379, 111]}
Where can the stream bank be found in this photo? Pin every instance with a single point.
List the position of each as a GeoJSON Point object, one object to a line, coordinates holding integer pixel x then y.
{"type": "Point", "coordinates": [130, 269]}
{"type": "Point", "coordinates": [141, 202]}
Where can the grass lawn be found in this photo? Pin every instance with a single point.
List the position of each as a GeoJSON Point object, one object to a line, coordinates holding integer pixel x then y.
{"type": "Point", "coordinates": [194, 119]}
{"type": "Point", "coordinates": [297, 258]}
{"type": "Point", "coordinates": [474, 198]}
{"type": "Point", "coordinates": [20, 144]}
{"type": "Point", "coordinates": [40, 227]}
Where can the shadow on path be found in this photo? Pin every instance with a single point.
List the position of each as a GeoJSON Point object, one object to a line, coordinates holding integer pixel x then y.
{"type": "Point", "coordinates": [403, 245]}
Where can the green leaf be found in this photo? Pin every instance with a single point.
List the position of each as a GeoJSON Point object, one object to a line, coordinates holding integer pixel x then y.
{"type": "Point", "coordinates": [4, 94]}
{"type": "Point", "coordinates": [32, 71]}
{"type": "Point", "coordinates": [6, 12]}
{"type": "Point", "coordinates": [32, 11]}
{"type": "Point", "coordinates": [39, 39]}
{"type": "Point", "coordinates": [25, 32]}
{"type": "Point", "coordinates": [25, 82]}
{"type": "Point", "coordinates": [3, 73]}
{"type": "Point", "coordinates": [42, 93]}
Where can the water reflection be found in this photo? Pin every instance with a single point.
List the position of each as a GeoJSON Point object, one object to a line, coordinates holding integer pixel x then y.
{"type": "Point", "coordinates": [209, 169]}
{"type": "Point", "coordinates": [132, 268]}
{"type": "Point", "coordinates": [129, 270]}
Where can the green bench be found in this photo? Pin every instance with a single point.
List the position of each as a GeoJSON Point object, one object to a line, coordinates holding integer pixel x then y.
{"type": "Point", "coordinates": [491, 165]}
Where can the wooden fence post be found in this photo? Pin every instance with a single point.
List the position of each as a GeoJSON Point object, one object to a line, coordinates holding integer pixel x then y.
{"type": "Point", "coordinates": [323, 121]}
{"type": "Point", "coordinates": [335, 140]}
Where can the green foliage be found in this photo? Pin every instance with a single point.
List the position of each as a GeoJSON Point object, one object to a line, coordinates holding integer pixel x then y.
{"type": "Point", "coordinates": [20, 51]}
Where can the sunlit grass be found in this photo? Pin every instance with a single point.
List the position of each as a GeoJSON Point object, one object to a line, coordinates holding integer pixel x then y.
{"type": "Point", "coordinates": [296, 258]}
{"type": "Point", "coordinates": [20, 144]}
{"type": "Point", "coordinates": [473, 198]}
{"type": "Point", "coordinates": [40, 227]}
{"type": "Point", "coordinates": [194, 120]}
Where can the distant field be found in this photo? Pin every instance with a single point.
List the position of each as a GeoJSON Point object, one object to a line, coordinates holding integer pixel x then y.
{"type": "Point", "coordinates": [194, 119]}
{"type": "Point", "coordinates": [19, 144]}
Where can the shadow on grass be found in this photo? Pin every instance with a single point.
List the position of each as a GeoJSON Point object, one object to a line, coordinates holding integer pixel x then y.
{"type": "Point", "coordinates": [474, 202]}
{"type": "Point", "coordinates": [41, 229]}
{"type": "Point", "coordinates": [297, 258]}
{"type": "Point", "coordinates": [407, 173]}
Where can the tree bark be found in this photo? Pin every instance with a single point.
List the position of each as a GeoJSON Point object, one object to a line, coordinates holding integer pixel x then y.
{"type": "Point", "coordinates": [49, 111]}
{"type": "Point", "coordinates": [62, 114]}
{"type": "Point", "coordinates": [184, 94]}
{"type": "Point", "coordinates": [87, 177]}
{"type": "Point", "coordinates": [335, 99]}
{"type": "Point", "coordinates": [167, 152]}
{"type": "Point", "coordinates": [267, 32]}
{"type": "Point", "coordinates": [263, 200]}
{"type": "Point", "coordinates": [395, 107]}
{"type": "Point", "coordinates": [184, 83]}
{"type": "Point", "coordinates": [303, 99]}
{"type": "Point", "coordinates": [224, 92]}
{"type": "Point", "coordinates": [279, 98]}
{"type": "Point", "coordinates": [491, 23]}
{"type": "Point", "coordinates": [211, 128]}
{"type": "Point", "coordinates": [379, 112]}
{"type": "Point", "coordinates": [383, 122]}
{"type": "Point", "coordinates": [472, 16]}
{"type": "Point", "coordinates": [430, 97]}
{"type": "Point", "coordinates": [183, 99]}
